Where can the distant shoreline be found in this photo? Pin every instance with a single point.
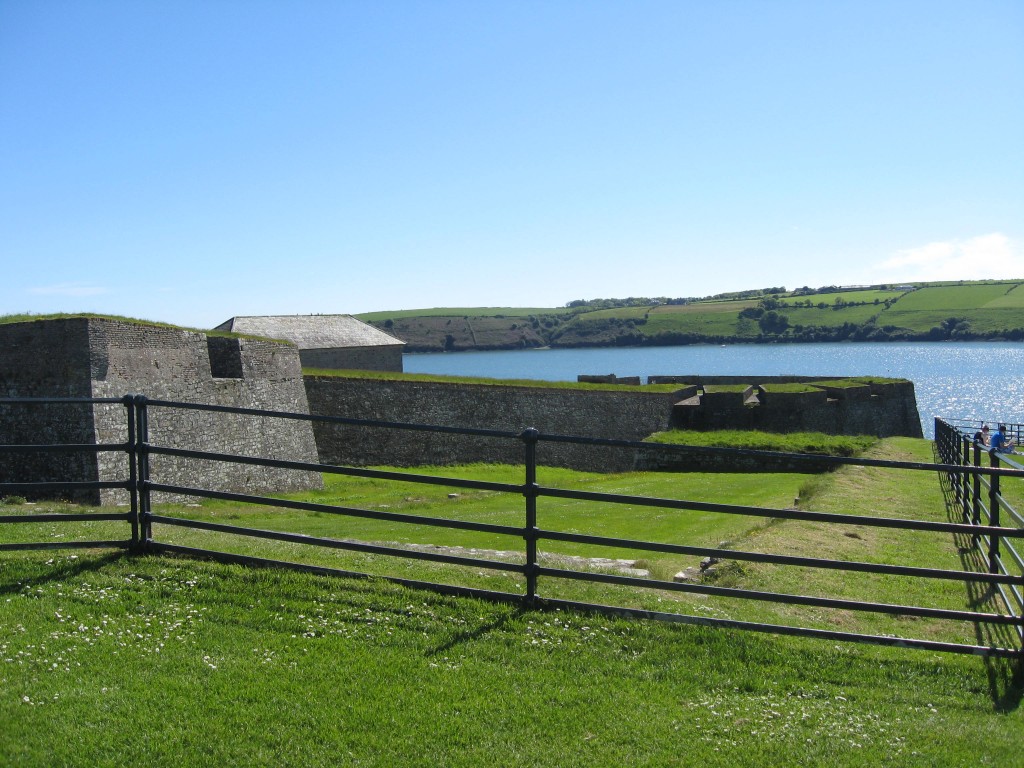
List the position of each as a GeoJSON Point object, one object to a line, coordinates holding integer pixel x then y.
{"type": "Point", "coordinates": [923, 312]}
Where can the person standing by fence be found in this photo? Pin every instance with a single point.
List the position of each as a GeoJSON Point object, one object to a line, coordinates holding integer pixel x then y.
{"type": "Point", "coordinates": [1000, 443]}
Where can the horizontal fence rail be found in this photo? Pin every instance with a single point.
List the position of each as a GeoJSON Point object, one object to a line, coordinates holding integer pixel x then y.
{"type": "Point", "coordinates": [27, 408]}
{"type": "Point", "coordinates": [984, 517]}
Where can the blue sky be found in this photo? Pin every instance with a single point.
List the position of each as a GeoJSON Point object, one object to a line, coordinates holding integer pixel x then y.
{"type": "Point", "coordinates": [190, 161]}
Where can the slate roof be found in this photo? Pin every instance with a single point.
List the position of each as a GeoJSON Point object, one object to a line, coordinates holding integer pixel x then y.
{"type": "Point", "coordinates": [312, 331]}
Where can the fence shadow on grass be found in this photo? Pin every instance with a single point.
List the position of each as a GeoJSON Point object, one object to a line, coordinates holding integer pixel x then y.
{"type": "Point", "coordinates": [485, 628]}
{"type": "Point", "coordinates": [66, 569]}
{"type": "Point", "coordinates": [1005, 676]}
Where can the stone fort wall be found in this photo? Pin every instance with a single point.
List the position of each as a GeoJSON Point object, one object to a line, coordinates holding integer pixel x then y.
{"type": "Point", "coordinates": [881, 409]}
{"type": "Point", "coordinates": [46, 360]}
{"type": "Point", "coordinates": [87, 357]}
{"type": "Point", "coordinates": [622, 415]}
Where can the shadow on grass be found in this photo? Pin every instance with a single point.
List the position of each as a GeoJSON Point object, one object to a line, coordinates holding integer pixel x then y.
{"type": "Point", "coordinates": [1005, 676]}
{"type": "Point", "coordinates": [469, 635]}
{"type": "Point", "coordinates": [352, 600]}
{"type": "Point", "coordinates": [65, 568]}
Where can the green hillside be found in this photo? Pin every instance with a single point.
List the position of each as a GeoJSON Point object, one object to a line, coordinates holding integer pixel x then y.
{"type": "Point", "coordinates": [918, 312]}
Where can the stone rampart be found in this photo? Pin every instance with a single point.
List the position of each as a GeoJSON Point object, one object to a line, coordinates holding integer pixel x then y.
{"type": "Point", "coordinates": [616, 414]}
{"type": "Point", "coordinates": [830, 405]}
{"type": "Point", "coordinates": [84, 357]}
{"type": "Point", "coordinates": [46, 360]}
{"type": "Point", "coordinates": [886, 409]}
{"type": "Point", "coordinates": [88, 357]}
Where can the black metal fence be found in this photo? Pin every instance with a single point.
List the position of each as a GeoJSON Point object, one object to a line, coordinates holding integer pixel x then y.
{"type": "Point", "coordinates": [999, 632]}
{"type": "Point", "coordinates": [26, 449]}
{"type": "Point", "coordinates": [976, 488]}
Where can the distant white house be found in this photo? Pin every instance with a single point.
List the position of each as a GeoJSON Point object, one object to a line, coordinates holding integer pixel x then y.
{"type": "Point", "coordinates": [326, 341]}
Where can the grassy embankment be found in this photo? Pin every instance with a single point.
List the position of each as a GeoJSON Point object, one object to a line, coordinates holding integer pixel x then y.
{"type": "Point", "coordinates": [115, 660]}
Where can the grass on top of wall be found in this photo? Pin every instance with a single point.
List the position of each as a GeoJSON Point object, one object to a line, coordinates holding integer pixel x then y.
{"type": "Point", "coordinates": [440, 379]}
{"type": "Point", "coordinates": [30, 317]}
{"type": "Point", "coordinates": [772, 387]}
{"type": "Point", "coordinates": [817, 443]}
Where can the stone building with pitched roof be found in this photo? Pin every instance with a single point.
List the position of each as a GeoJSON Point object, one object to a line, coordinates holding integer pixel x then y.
{"type": "Point", "coordinates": [326, 341]}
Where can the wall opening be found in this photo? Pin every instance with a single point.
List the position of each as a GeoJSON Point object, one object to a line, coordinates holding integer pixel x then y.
{"type": "Point", "coordinates": [225, 357]}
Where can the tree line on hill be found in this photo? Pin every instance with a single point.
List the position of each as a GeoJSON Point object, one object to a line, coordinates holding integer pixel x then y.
{"type": "Point", "coordinates": [644, 301]}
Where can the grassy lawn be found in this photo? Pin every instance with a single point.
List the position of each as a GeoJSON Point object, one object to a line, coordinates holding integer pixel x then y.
{"type": "Point", "coordinates": [111, 659]}
{"type": "Point", "coordinates": [491, 507]}
{"type": "Point", "coordinates": [119, 661]}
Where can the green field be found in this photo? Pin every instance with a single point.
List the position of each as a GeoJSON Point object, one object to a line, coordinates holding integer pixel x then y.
{"type": "Point", "coordinates": [988, 308]}
{"type": "Point", "coordinates": [964, 297]}
{"type": "Point", "coordinates": [831, 317]}
{"type": "Point", "coordinates": [619, 312]}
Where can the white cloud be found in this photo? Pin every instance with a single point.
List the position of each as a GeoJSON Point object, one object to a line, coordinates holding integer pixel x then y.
{"type": "Point", "coordinates": [68, 289]}
{"type": "Point", "coordinates": [985, 257]}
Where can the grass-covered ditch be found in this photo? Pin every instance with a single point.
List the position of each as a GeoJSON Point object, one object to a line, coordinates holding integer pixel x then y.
{"type": "Point", "coordinates": [816, 443]}
{"type": "Point", "coordinates": [113, 659]}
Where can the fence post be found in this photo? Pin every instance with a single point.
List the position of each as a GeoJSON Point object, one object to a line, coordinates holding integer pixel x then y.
{"type": "Point", "coordinates": [132, 448]}
{"type": "Point", "coordinates": [529, 437]}
{"type": "Point", "coordinates": [145, 506]}
{"type": "Point", "coordinates": [965, 479]}
{"type": "Point", "coordinates": [944, 443]}
{"type": "Point", "coordinates": [976, 482]}
{"type": "Point", "coordinates": [993, 515]}
{"type": "Point", "coordinates": [955, 450]}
